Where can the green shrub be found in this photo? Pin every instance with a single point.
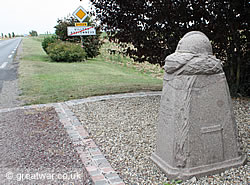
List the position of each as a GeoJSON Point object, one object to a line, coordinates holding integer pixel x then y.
{"type": "Point", "coordinates": [66, 52]}
{"type": "Point", "coordinates": [92, 45]}
{"type": "Point", "coordinates": [47, 41]}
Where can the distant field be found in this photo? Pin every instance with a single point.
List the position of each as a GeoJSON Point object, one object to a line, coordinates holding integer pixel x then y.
{"type": "Point", "coordinates": [43, 81]}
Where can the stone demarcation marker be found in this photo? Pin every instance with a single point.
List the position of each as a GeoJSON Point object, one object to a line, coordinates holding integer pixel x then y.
{"type": "Point", "coordinates": [196, 131]}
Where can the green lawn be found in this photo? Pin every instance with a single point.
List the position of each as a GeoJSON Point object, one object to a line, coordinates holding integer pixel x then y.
{"type": "Point", "coordinates": [43, 81]}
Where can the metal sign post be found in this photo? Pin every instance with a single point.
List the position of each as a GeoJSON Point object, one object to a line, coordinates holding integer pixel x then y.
{"type": "Point", "coordinates": [81, 41]}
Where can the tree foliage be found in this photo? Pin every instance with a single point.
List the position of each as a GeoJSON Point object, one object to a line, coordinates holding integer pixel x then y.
{"type": "Point", "coordinates": [91, 44]}
{"type": "Point", "coordinates": [33, 33]}
{"type": "Point", "coordinates": [154, 27]}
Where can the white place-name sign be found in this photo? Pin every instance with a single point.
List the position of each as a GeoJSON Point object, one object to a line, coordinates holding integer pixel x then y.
{"type": "Point", "coordinates": [81, 30]}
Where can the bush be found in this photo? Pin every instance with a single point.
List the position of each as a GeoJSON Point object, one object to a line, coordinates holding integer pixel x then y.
{"type": "Point", "coordinates": [47, 41]}
{"type": "Point", "coordinates": [92, 45]}
{"type": "Point", "coordinates": [66, 52]}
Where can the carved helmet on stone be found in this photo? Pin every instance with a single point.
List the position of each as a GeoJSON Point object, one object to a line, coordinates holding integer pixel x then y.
{"type": "Point", "coordinates": [195, 42]}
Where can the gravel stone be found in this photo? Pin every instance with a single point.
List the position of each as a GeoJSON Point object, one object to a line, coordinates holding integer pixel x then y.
{"type": "Point", "coordinates": [33, 143]}
{"type": "Point", "coordinates": [125, 131]}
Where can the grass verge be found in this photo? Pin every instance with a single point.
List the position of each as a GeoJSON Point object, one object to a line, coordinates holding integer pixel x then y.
{"type": "Point", "coordinates": [43, 81]}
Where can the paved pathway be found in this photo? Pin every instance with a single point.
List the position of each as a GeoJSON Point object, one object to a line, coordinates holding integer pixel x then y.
{"type": "Point", "coordinates": [10, 51]}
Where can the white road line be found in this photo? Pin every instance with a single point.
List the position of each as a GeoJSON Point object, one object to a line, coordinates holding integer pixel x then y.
{"type": "Point", "coordinates": [13, 52]}
{"type": "Point", "coordinates": [9, 56]}
{"type": "Point", "coordinates": [3, 65]}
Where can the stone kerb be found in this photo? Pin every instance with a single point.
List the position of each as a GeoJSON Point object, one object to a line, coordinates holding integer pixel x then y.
{"type": "Point", "coordinates": [196, 131]}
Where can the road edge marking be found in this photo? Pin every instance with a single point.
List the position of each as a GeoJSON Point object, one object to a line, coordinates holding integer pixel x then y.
{"type": "Point", "coordinates": [3, 65]}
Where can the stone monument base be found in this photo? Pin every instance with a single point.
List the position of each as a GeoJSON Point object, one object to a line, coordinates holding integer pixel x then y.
{"type": "Point", "coordinates": [187, 173]}
{"type": "Point", "coordinates": [196, 131]}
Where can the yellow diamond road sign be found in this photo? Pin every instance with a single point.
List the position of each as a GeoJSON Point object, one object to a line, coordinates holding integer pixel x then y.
{"type": "Point", "coordinates": [80, 14]}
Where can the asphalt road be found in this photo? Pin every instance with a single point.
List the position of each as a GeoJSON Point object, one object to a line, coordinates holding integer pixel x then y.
{"type": "Point", "coordinates": [8, 50]}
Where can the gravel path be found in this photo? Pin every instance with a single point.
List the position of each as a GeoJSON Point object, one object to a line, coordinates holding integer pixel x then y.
{"type": "Point", "coordinates": [125, 129]}
{"type": "Point", "coordinates": [35, 149]}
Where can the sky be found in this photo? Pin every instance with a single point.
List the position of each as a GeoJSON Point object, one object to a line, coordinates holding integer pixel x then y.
{"type": "Point", "coordinates": [22, 16]}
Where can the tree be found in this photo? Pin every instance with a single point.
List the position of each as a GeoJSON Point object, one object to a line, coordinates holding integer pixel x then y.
{"type": "Point", "coordinates": [9, 35]}
{"type": "Point", "coordinates": [2, 35]}
{"type": "Point", "coordinates": [91, 44]}
{"type": "Point", "coordinates": [13, 34]}
{"type": "Point", "coordinates": [154, 27]}
{"type": "Point", "coordinates": [33, 33]}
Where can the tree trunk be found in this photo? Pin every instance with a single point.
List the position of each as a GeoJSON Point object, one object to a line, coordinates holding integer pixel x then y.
{"type": "Point", "coordinates": [238, 74]}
